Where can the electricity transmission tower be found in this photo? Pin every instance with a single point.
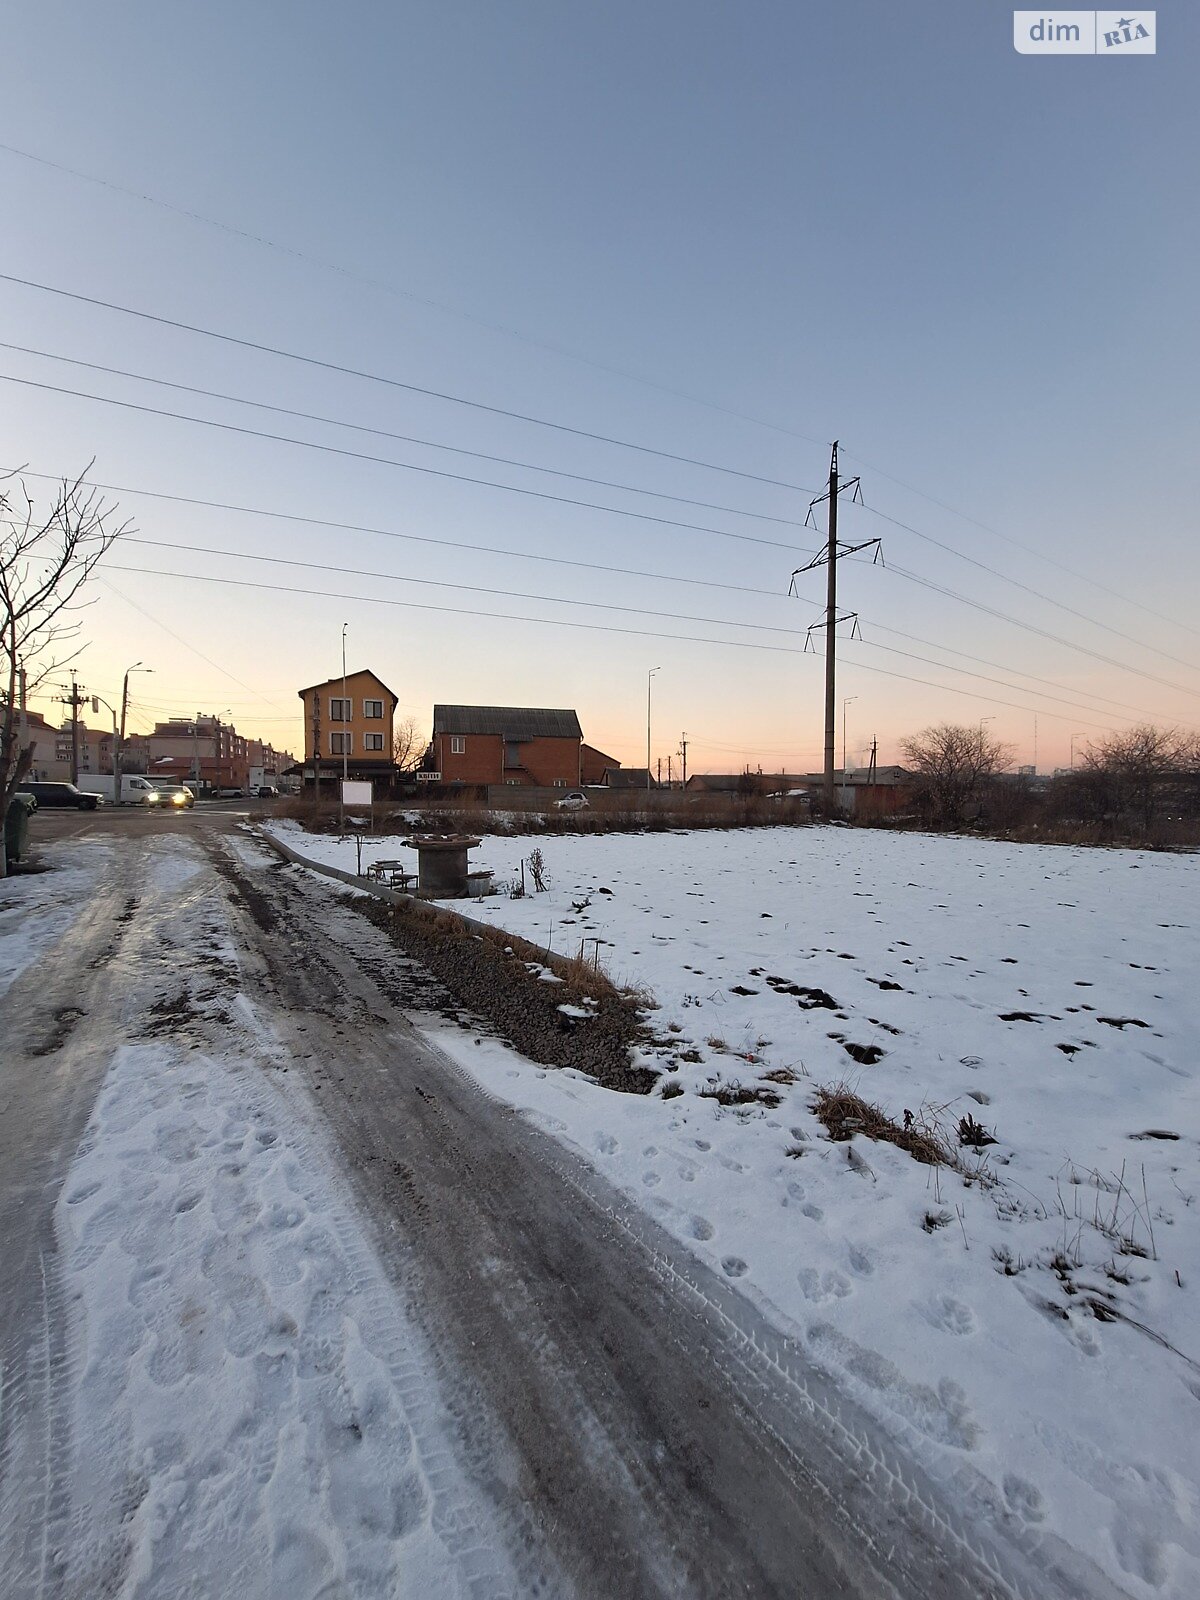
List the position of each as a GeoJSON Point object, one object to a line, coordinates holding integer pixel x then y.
{"type": "Point", "coordinates": [829, 558]}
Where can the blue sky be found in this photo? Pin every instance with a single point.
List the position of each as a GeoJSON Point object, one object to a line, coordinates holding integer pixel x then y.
{"type": "Point", "coordinates": [726, 232]}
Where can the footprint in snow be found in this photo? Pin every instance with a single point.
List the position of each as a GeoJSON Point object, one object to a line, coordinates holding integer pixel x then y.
{"type": "Point", "coordinates": [702, 1228]}
{"type": "Point", "coordinates": [951, 1316]}
{"type": "Point", "coordinates": [812, 1212]}
{"type": "Point", "coordinates": [733, 1266]}
{"type": "Point", "coordinates": [820, 1287]}
{"type": "Point", "coordinates": [606, 1144]}
{"type": "Point", "coordinates": [1022, 1499]}
{"type": "Point", "coordinates": [861, 1261]}
{"type": "Point", "coordinates": [651, 1180]}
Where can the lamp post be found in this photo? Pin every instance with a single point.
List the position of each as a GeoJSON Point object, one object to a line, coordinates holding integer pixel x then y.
{"type": "Point", "coordinates": [845, 703]}
{"type": "Point", "coordinates": [119, 742]}
{"type": "Point", "coordinates": [649, 680]}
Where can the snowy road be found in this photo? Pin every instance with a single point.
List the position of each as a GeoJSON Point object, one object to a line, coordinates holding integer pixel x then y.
{"type": "Point", "coordinates": [292, 1307]}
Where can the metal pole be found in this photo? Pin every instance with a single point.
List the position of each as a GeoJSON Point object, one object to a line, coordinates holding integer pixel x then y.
{"type": "Point", "coordinates": [830, 632]}
{"type": "Point", "coordinates": [74, 730]}
{"type": "Point", "coordinates": [649, 677]}
{"type": "Point", "coordinates": [845, 703]}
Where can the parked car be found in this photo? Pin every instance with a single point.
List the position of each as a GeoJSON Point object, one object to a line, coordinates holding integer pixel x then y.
{"type": "Point", "coordinates": [174, 794]}
{"type": "Point", "coordinates": [574, 800]}
{"type": "Point", "coordinates": [59, 794]}
{"type": "Point", "coordinates": [266, 791]}
{"type": "Point", "coordinates": [232, 793]}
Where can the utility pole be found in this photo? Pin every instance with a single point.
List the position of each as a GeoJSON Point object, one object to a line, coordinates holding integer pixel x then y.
{"type": "Point", "coordinates": [75, 700]}
{"type": "Point", "coordinates": [872, 769]}
{"type": "Point", "coordinates": [345, 737]}
{"type": "Point", "coordinates": [829, 558]}
{"type": "Point", "coordinates": [21, 681]}
{"type": "Point", "coordinates": [670, 774]}
{"type": "Point", "coordinates": [683, 757]}
{"type": "Point", "coordinates": [120, 739]}
{"type": "Point", "coordinates": [660, 772]}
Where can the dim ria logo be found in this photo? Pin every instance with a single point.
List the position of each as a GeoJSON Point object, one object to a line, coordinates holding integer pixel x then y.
{"type": "Point", "coordinates": [1084, 33]}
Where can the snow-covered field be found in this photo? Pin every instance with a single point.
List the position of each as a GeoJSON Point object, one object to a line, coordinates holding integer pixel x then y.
{"type": "Point", "coordinates": [1029, 1324]}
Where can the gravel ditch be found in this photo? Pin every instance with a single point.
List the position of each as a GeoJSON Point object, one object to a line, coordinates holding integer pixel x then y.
{"type": "Point", "coordinates": [490, 974]}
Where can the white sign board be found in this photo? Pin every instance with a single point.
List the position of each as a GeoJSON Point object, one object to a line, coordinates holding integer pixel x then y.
{"type": "Point", "coordinates": [428, 777]}
{"type": "Point", "coordinates": [356, 794]}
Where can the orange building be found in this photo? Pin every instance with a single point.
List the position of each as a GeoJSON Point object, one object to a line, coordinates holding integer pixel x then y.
{"type": "Point", "coordinates": [349, 719]}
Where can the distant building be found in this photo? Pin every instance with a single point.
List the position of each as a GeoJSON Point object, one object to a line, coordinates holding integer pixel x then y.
{"type": "Point", "coordinates": [628, 778]}
{"type": "Point", "coordinates": [201, 749]}
{"type": "Point", "coordinates": [518, 746]}
{"type": "Point", "coordinates": [593, 764]}
{"type": "Point", "coordinates": [348, 722]}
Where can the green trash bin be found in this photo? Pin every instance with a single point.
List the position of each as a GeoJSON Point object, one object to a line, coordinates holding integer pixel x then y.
{"type": "Point", "coordinates": [16, 826]}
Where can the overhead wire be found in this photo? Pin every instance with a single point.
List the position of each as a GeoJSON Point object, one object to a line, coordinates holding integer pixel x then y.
{"type": "Point", "coordinates": [402, 438]}
{"type": "Point", "coordinates": [390, 461]}
{"type": "Point", "coordinates": [590, 627]}
{"type": "Point", "coordinates": [568, 562]}
{"type": "Point", "coordinates": [595, 605]}
{"type": "Point", "coordinates": [398, 383]}
{"type": "Point", "coordinates": [519, 416]}
{"type": "Point", "coordinates": [405, 294]}
{"type": "Point", "coordinates": [1019, 544]}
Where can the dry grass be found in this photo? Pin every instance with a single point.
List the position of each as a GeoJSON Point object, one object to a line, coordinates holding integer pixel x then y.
{"type": "Point", "coordinates": [741, 1094]}
{"type": "Point", "coordinates": [582, 978]}
{"type": "Point", "coordinates": [780, 1075]}
{"type": "Point", "coordinates": [845, 1113]}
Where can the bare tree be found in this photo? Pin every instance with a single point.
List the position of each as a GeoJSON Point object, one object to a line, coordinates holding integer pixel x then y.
{"type": "Point", "coordinates": [953, 765]}
{"type": "Point", "coordinates": [408, 746]}
{"type": "Point", "coordinates": [1133, 777]}
{"type": "Point", "coordinates": [46, 560]}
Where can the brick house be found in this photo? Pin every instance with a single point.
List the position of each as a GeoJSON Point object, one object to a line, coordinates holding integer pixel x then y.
{"type": "Point", "coordinates": [349, 717]}
{"type": "Point", "coordinates": [513, 745]}
{"type": "Point", "coordinates": [593, 764]}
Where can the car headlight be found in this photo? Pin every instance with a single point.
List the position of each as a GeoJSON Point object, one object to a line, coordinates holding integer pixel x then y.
{"type": "Point", "coordinates": [179, 800]}
{"type": "Point", "coordinates": [152, 798]}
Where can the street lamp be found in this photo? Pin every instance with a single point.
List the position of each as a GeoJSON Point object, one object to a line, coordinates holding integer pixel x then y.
{"type": "Point", "coordinates": [845, 703]}
{"type": "Point", "coordinates": [649, 679]}
{"type": "Point", "coordinates": [120, 740]}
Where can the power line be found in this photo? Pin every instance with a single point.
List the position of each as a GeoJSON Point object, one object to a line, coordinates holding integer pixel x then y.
{"type": "Point", "coordinates": [586, 566]}
{"type": "Point", "coordinates": [388, 461]}
{"type": "Point", "coordinates": [405, 294]}
{"type": "Point", "coordinates": [478, 405]}
{"type": "Point", "coordinates": [1029, 589]}
{"type": "Point", "coordinates": [594, 605]}
{"type": "Point", "coordinates": [396, 383]}
{"type": "Point", "coordinates": [555, 622]}
{"type": "Point", "coordinates": [1029, 627]}
{"type": "Point", "coordinates": [1020, 544]}
{"type": "Point", "coordinates": [403, 438]}
{"type": "Point", "coordinates": [472, 588]}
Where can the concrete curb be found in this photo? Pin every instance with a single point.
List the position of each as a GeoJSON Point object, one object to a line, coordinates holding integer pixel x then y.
{"type": "Point", "coordinates": [396, 897]}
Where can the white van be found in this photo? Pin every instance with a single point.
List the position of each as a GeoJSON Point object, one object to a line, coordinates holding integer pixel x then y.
{"type": "Point", "coordinates": [135, 789]}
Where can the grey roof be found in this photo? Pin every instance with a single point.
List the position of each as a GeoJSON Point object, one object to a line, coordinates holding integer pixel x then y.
{"type": "Point", "coordinates": [628, 778]}
{"type": "Point", "coordinates": [509, 722]}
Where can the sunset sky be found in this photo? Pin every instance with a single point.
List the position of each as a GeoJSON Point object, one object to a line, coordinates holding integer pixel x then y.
{"type": "Point", "coordinates": [723, 232]}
